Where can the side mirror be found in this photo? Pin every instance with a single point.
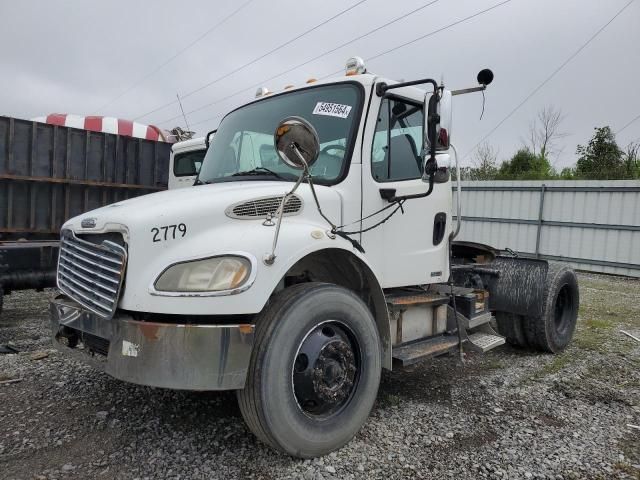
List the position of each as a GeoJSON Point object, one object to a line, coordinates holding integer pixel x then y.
{"type": "Point", "coordinates": [297, 142]}
{"type": "Point", "coordinates": [438, 120]}
{"type": "Point", "coordinates": [443, 130]}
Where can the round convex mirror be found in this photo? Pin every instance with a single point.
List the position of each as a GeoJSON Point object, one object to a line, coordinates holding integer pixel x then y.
{"type": "Point", "coordinates": [295, 135]}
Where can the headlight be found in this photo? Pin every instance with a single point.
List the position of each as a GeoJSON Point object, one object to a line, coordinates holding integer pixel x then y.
{"type": "Point", "coordinates": [206, 275]}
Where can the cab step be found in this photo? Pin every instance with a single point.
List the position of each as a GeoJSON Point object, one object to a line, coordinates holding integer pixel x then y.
{"type": "Point", "coordinates": [483, 342]}
{"type": "Point", "coordinates": [414, 352]}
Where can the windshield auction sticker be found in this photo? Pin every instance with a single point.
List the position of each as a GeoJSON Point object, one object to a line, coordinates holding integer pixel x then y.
{"type": "Point", "coordinates": [332, 109]}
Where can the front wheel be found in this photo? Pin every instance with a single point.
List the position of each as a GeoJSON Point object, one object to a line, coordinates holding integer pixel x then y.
{"type": "Point", "coordinates": [314, 370]}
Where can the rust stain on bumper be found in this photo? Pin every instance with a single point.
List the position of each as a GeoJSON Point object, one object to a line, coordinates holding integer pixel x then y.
{"type": "Point", "coordinates": [149, 330]}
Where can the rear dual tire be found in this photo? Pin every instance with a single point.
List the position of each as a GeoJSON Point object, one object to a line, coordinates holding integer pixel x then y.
{"type": "Point", "coordinates": [553, 329]}
{"type": "Point", "coordinates": [314, 370]}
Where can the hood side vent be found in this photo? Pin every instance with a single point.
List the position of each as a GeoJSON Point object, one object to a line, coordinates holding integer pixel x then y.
{"type": "Point", "coordinates": [261, 207]}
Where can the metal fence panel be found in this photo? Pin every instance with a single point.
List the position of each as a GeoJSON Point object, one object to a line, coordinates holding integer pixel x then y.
{"type": "Point", "coordinates": [593, 225]}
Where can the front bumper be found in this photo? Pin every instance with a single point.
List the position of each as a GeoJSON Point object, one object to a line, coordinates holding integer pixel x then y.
{"type": "Point", "coordinates": [168, 355]}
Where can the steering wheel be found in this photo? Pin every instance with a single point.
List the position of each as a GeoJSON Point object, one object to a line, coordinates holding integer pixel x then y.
{"type": "Point", "coordinates": [333, 147]}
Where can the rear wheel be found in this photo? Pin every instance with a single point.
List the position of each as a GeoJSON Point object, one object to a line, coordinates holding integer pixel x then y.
{"type": "Point", "coordinates": [553, 329]}
{"type": "Point", "coordinates": [314, 370]}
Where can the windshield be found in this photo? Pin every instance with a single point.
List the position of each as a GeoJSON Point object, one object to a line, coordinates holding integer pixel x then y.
{"type": "Point", "coordinates": [243, 146]}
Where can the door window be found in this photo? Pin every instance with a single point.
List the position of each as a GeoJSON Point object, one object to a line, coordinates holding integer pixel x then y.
{"type": "Point", "coordinates": [397, 143]}
{"type": "Point", "coordinates": [188, 164]}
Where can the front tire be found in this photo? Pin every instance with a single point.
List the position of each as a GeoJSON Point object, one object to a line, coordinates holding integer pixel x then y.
{"type": "Point", "coordinates": [314, 370]}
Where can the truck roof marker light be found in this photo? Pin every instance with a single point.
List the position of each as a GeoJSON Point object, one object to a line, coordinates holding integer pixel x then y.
{"type": "Point", "coordinates": [312, 80]}
{"type": "Point", "coordinates": [287, 87]}
{"type": "Point", "coordinates": [355, 66]}
{"type": "Point", "coordinates": [262, 91]}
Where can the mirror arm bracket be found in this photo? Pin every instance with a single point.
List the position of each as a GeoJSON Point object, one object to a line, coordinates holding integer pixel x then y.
{"type": "Point", "coordinates": [464, 91]}
{"type": "Point", "coordinates": [388, 194]}
{"type": "Point", "coordinates": [271, 257]}
{"type": "Point", "coordinates": [432, 119]}
{"type": "Point", "coordinates": [383, 87]}
{"type": "Point", "coordinates": [402, 198]}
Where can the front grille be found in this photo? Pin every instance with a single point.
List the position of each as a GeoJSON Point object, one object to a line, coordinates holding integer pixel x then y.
{"type": "Point", "coordinates": [91, 274]}
{"type": "Point", "coordinates": [261, 207]}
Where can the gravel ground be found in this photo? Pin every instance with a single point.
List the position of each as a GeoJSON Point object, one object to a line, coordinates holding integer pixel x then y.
{"type": "Point", "coordinates": [507, 414]}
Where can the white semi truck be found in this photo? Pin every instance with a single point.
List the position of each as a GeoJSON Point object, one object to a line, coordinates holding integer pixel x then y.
{"type": "Point", "coordinates": [315, 250]}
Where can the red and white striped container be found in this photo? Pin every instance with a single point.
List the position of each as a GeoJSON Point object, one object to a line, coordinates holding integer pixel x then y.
{"type": "Point", "coordinates": [113, 125]}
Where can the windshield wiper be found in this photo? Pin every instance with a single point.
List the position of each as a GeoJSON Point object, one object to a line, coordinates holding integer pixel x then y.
{"type": "Point", "coordinates": [259, 171]}
{"type": "Point", "coordinates": [200, 182]}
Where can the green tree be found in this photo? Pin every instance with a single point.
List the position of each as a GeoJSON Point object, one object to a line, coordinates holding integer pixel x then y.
{"type": "Point", "coordinates": [631, 160]}
{"type": "Point", "coordinates": [526, 165]}
{"type": "Point", "coordinates": [602, 158]}
{"type": "Point", "coordinates": [485, 163]}
{"type": "Point", "coordinates": [568, 173]}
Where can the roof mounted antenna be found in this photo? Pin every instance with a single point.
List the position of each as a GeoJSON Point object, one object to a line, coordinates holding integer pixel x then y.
{"type": "Point", "coordinates": [182, 110]}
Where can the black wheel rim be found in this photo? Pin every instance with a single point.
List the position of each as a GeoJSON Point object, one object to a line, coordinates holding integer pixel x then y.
{"type": "Point", "coordinates": [325, 370]}
{"type": "Point", "coordinates": [563, 310]}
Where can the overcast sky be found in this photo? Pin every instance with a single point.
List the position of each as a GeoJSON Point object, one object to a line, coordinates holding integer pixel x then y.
{"type": "Point", "coordinates": [80, 56]}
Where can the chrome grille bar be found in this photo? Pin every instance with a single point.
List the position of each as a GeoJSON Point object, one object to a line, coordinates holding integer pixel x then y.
{"type": "Point", "coordinates": [76, 294]}
{"type": "Point", "coordinates": [93, 254]}
{"type": "Point", "coordinates": [89, 261]}
{"type": "Point", "coordinates": [91, 274]}
{"type": "Point", "coordinates": [85, 278]}
{"type": "Point", "coordinates": [88, 270]}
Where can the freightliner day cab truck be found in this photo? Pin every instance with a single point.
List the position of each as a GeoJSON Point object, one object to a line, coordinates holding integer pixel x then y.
{"type": "Point", "coordinates": [315, 250]}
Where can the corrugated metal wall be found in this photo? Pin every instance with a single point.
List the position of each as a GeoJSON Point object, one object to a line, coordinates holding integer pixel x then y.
{"type": "Point", "coordinates": [593, 225]}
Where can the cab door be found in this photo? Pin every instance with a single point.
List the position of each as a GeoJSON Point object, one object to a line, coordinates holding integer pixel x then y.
{"type": "Point", "coordinates": [410, 248]}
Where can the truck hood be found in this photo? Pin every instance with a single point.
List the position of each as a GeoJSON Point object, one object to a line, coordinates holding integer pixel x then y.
{"type": "Point", "coordinates": [202, 207]}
